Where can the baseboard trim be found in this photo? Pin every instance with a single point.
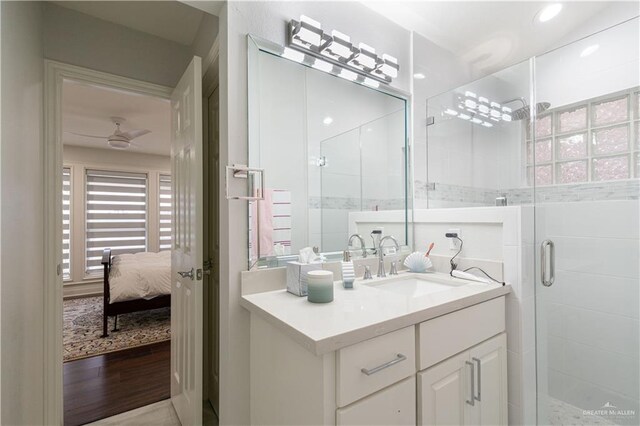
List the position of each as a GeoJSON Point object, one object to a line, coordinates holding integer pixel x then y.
{"type": "Point", "coordinates": [74, 291]}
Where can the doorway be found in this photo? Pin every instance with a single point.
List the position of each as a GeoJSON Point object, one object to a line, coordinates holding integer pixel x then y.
{"type": "Point", "coordinates": [172, 38]}
{"type": "Point", "coordinates": [117, 200]}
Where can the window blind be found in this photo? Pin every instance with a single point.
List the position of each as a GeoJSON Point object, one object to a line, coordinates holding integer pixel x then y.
{"type": "Point", "coordinates": [116, 215]}
{"type": "Point", "coordinates": [164, 211]}
{"type": "Point", "coordinates": [66, 223]}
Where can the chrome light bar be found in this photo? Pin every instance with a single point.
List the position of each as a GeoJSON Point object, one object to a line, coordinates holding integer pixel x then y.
{"type": "Point", "coordinates": [306, 35]}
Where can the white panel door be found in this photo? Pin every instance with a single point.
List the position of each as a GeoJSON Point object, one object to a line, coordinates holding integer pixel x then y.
{"type": "Point", "coordinates": [490, 359]}
{"type": "Point", "coordinates": [186, 259]}
{"type": "Point", "coordinates": [442, 392]}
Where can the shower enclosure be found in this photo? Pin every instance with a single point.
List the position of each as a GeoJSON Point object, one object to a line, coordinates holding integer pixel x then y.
{"type": "Point", "coordinates": [574, 161]}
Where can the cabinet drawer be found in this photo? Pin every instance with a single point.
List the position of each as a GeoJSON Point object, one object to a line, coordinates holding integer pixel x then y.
{"type": "Point", "coordinates": [450, 334]}
{"type": "Point", "coordinates": [387, 359]}
{"type": "Point", "coordinates": [395, 405]}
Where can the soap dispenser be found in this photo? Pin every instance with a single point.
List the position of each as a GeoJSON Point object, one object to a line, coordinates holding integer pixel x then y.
{"type": "Point", "coordinates": [348, 271]}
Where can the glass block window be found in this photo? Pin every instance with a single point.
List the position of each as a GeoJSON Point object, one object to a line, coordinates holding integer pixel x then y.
{"type": "Point", "coordinates": [572, 119]}
{"type": "Point", "coordinates": [591, 141]}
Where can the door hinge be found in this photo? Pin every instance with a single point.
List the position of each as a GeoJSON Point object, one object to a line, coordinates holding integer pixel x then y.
{"type": "Point", "coordinates": [207, 265]}
{"type": "Point", "coordinates": [58, 269]}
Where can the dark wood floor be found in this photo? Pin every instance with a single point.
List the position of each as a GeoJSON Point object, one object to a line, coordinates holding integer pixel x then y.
{"type": "Point", "coordinates": [105, 385]}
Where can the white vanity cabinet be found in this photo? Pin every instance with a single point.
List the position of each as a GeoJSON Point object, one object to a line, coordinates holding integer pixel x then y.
{"type": "Point", "coordinates": [469, 388]}
{"type": "Point", "coordinates": [449, 369]}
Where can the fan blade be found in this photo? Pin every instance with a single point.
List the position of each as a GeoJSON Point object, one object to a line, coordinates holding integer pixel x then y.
{"type": "Point", "coordinates": [132, 134]}
{"type": "Point", "coordinates": [88, 136]}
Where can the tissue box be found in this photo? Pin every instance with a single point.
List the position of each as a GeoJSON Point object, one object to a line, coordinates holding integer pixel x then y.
{"type": "Point", "coordinates": [297, 276]}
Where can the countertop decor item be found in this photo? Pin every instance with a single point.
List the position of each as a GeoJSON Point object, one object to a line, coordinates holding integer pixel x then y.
{"type": "Point", "coordinates": [417, 262]}
{"type": "Point", "coordinates": [429, 249]}
{"type": "Point", "coordinates": [320, 286]}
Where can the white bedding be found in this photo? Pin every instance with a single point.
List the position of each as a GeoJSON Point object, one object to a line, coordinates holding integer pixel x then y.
{"type": "Point", "coordinates": [140, 276]}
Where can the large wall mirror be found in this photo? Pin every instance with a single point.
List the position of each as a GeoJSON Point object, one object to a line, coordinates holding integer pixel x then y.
{"type": "Point", "coordinates": [330, 148]}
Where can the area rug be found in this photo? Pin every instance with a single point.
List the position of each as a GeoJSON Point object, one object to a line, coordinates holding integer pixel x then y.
{"type": "Point", "coordinates": [83, 327]}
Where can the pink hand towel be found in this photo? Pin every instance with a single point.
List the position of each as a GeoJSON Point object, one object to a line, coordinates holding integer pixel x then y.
{"type": "Point", "coordinates": [262, 226]}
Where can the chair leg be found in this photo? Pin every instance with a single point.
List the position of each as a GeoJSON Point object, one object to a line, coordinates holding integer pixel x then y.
{"type": "Point", "coordinates": [115, 324]}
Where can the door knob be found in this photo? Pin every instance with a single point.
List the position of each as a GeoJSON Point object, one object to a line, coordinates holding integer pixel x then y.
{"type": "Point", "coordinates": [188, 274]}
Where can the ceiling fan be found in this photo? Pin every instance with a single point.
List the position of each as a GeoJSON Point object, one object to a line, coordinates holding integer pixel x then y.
{"type": "Point", "coordinates": [119, 139]}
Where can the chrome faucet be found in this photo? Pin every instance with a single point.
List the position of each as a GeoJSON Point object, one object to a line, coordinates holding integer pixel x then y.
{"type": "Point", "coordinates": [362, 244]}
{"type": "Point", "coordinates": [381, 272]}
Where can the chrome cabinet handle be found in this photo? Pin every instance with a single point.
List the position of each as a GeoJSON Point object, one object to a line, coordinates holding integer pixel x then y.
{"type": "Point", "coordinates": [472, 401]}
{"type": "Point", "coordinates": [479, 363]}
{"type": "Point", "coordinates": [543, 263]}
{"type": "Point", "coordinates": [397, 359]}
{"type": "Point", "coordinates": [188, 274]}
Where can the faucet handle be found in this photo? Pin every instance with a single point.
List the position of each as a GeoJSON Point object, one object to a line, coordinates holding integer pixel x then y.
{"type": "Point", "coordinates": [367, 273]}
{"type": "Point", "coordinates": [394, 269]}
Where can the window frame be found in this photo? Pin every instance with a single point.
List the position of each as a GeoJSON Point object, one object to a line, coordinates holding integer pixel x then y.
{"type": "Point", "coordinates": [632, 152]}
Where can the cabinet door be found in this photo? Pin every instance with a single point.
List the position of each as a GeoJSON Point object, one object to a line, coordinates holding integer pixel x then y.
{"type": "Point", "coordinates": [395, 405]}
{"type": "Point", "coordinates": [490, 359]}
{"type": "Point", "coordinates": [443, 391]}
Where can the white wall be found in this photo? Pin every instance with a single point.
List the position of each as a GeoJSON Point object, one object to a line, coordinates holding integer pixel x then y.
{"type": "Point", "coordinates": [79, 159]}
{"type": "Point", "coordinates": [564, 77]}
{"type": "Point", "coordinates": [21, 212]}
{"type": "Point", "coordinates": [267, 20]}
{"type": "Point", "coordinates": [78, 39]}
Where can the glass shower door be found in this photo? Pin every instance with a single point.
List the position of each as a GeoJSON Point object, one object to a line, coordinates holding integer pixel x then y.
{"type": "Point", "coordinates": [584, 166]}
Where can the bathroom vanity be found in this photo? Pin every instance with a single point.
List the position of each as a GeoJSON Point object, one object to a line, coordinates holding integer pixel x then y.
{"type": "Point", "coordinates": [410, 349]}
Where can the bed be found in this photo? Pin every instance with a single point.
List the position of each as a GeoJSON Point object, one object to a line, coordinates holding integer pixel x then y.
{"type": "Point", "coordinates": [133, 283]}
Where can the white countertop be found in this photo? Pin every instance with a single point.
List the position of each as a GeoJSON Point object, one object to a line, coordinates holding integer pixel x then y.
{"type": "Point", "coordinates": [364, 312]}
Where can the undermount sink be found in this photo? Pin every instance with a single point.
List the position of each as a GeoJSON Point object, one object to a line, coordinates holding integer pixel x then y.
{"type": "Point", "coordinates": [410, 286]}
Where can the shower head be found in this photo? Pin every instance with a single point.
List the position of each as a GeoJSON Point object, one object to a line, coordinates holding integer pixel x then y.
{"type": "Point", "coordinates": [524, 113]}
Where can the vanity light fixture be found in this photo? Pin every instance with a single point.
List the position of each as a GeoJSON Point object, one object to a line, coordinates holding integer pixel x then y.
{"type": "Point", "coordinates": [389, 67]}
{"type": "Point", "coordinates": [365, 59]}
{"type": "Point", "coordinates": [307, 36]}
{"type": "Point", "coordinates": [339, 47]}
{"type": "Point", "coordinates": [308, 33]}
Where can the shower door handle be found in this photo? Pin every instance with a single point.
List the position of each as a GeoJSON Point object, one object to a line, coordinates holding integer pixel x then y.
{"type": "Point", "coordinates": [547, 246]}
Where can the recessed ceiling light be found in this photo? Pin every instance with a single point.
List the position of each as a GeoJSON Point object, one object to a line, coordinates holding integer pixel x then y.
{"type": "Point", "coordinates": [589, 50]}
{"type": "Point", "coordinates": [549, 12]}
{"type": "Point", "coordinates": [419, 76]}
{"type": "Point", "coordinates": [327, 121]}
